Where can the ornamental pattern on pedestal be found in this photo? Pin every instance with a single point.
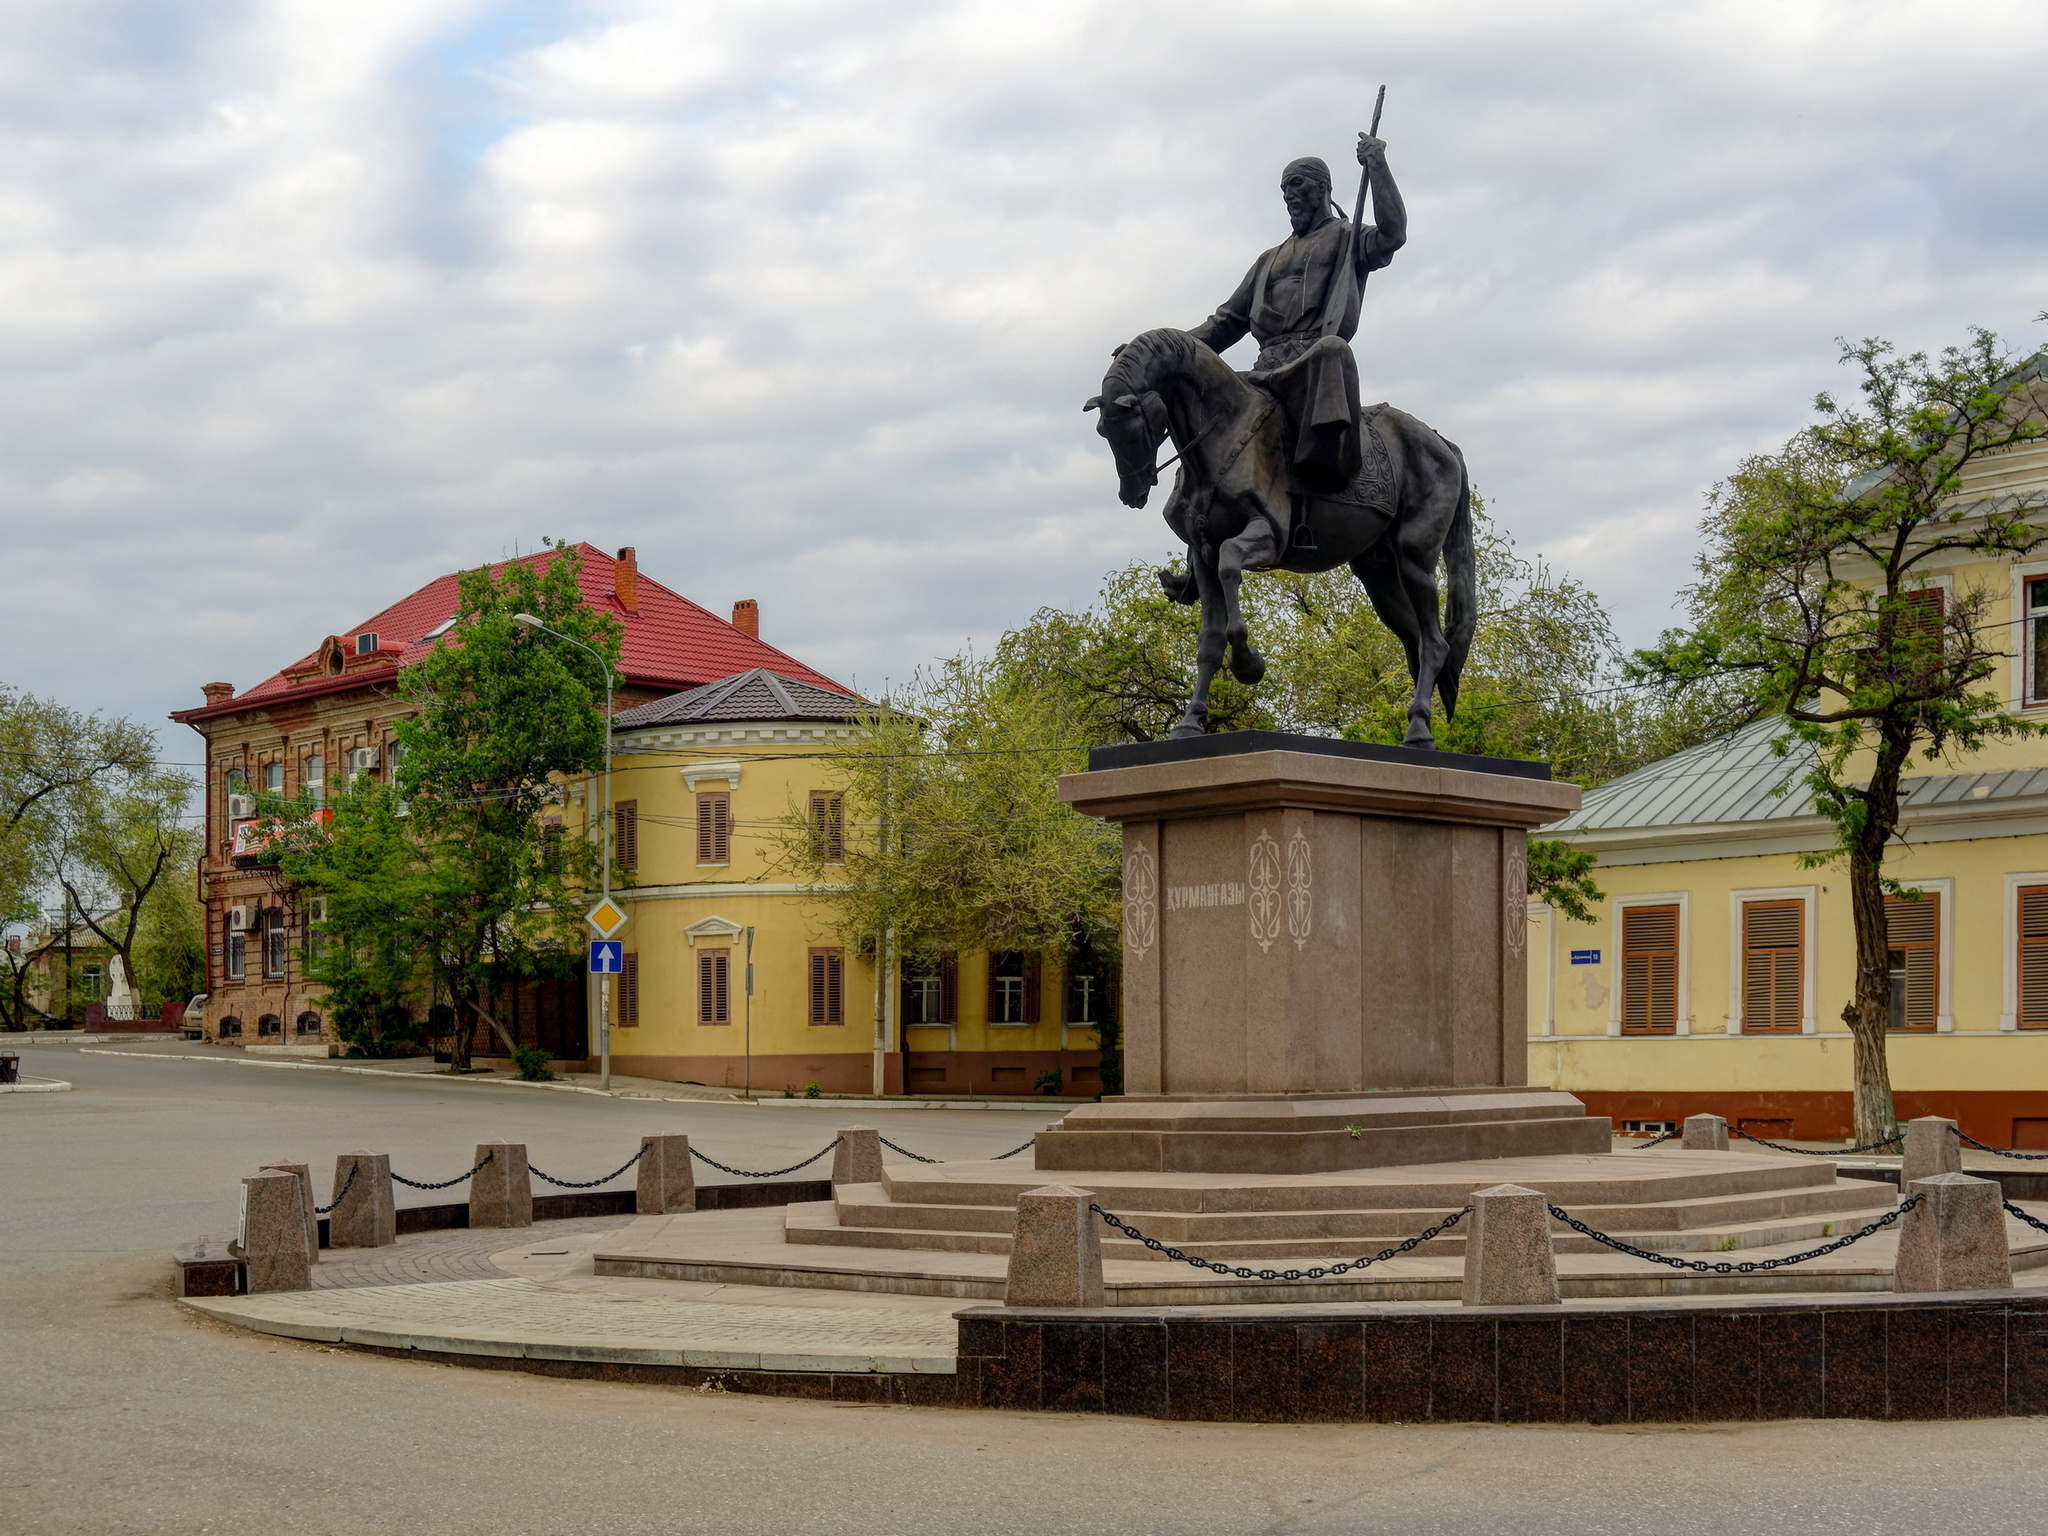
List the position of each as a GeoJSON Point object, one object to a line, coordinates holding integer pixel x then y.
{"type": "Point", "coordinates": [1141, 900]}
{"type": "Point", "coordinates": [1262, 877]}
{"type": "Point", "coordinates": [1300, 892]}
{"type": "Point", "coordinates": [1514, 894]}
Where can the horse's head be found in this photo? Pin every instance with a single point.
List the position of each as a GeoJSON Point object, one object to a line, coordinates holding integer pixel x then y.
{"type": "Point", "coordinates": [1134, 425]}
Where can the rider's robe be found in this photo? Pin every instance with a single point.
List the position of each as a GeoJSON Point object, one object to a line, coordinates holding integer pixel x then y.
{"type": "Point", "coordinates": [1295, 298]}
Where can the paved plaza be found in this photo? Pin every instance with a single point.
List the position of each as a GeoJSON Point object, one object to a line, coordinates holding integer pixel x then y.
{"type": "Point", "coordinates": [128, 1413]}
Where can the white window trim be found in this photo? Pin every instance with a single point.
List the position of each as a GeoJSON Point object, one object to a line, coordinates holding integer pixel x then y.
{"type": "Point", "coordinates": [2017, 701]}
{"type": "Point", "coordinates": [2009, 1017]}
{"type": "Point", "coordinates": [1944, 948]}
{"type": "Point", "coordinates": [728, 772]}
{"type": "Point", "coordinates": [1683, 901]}
{"type": "Point", "coordinates": [713, 927]}
{"type": "Point", "coordinates": [1808, 896]}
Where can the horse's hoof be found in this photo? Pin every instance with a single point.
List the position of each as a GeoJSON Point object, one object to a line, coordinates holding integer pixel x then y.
{"type": "Point", "coordinates": [1422, 739]}
{"type": "Point", "coordinates": [1248, 667]}
{"type": "Point", "coordinates": [1184, 731]}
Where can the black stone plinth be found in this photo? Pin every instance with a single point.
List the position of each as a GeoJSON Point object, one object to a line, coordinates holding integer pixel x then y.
{"type": "Point", "coordinates": [1136, 754]}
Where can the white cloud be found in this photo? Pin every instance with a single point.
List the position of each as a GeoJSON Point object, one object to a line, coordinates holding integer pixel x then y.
{"type": "Point", "coordinates": [301, 306]}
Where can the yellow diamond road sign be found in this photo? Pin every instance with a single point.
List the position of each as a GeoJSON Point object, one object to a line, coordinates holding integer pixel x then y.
{"type": "Point", "coordinates": [607, 917]}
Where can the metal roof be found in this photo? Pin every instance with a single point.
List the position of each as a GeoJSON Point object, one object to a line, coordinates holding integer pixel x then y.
{"type": "Point", "coordinates": [1732, 779]}
{"type": "Point", "coordinates": [753, 695]}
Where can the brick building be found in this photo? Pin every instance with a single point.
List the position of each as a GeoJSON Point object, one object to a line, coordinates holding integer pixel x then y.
{"type": "Point", "coordinates": [330, 714]}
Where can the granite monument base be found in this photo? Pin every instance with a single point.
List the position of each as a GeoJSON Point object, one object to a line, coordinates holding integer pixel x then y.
{"type": "Point", "coordinates": [1318, 1133]}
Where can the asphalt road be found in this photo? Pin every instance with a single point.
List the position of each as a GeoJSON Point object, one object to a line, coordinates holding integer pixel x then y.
{"type": "Point", "coordinates": [120, 1412]}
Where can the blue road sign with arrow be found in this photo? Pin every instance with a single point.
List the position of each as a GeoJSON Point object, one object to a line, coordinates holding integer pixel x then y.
{"type": "Point", "coordinates": [607, 956]}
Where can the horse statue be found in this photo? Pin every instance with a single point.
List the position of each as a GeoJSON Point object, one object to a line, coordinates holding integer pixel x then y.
{"type": "Point", "coordinates": [1238, 507]}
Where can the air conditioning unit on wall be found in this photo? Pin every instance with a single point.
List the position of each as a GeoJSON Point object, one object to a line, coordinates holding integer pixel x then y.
{"type": "Point", "coordinates": [363, 760]}
{"type": "Point", "coordinates": [241, 919]}
{"type": "Point", "coordinates": [241, 807]}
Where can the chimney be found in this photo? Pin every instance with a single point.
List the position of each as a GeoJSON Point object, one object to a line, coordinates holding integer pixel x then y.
{"type": "Point", "coordinates": [626, 580]}
{"type": "Point", "coordinates": [746, 618]}
{"type": "Point", "coordinates": [217, 693]}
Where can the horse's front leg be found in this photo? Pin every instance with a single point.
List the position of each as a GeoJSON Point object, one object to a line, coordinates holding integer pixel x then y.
{"type": "Point", "coordinates": [1255, 549]}
{"type": "Point", "coordinates": [1194, 721]}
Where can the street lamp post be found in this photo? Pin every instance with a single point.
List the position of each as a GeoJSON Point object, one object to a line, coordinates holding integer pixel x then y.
{"type": "Point", "coordinates": [604, 981]}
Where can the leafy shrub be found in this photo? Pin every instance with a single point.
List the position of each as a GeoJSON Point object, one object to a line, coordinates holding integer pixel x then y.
{"type": "Point", "coordinates": [532, 1063]}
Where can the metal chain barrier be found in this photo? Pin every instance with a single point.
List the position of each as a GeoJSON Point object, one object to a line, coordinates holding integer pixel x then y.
{"type": "Point", "coordinates": [1657, 1141]}
{"type": "Point", "coordinates": [445, 1183]}
{"type": "Point", "coordinates": [1015, 1150]}
{"type": "Point", "coordinates": [341, 1194]}
{"type": "Point", "coordinates": [1737, 1266]}
{"type": "Point", "coordinates": [744, 1173]}
{"type": "Point", "coordinates": [1283, 1274]}
{"type": "Point", "coordinates": [885, 1141]}
{"type": "Point", "coordinates": [591, 1183]}
{"type": "Point", "coordinates": [2031, 1157]}
{"type": "Point", "coordinates": [2013, 1210]}
{"type": "Point", "coordinates": [1779, 1146]}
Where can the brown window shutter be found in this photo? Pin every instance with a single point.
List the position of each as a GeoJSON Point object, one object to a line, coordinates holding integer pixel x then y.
{"type": "Point", "coordinates": [828, 826]}
{"type": "Point", "coordinates": [1913, 933]}
{"type": "Point", "coordinates": [828, 986]}
{"type": "Point", "coordinates": [714, 827]}
{"type": "Point", "coordinates": [1649, 970]}
{"type": "Point", "coordinates": [626, 833]}
{"type": "Point", "coordinates": [1924, 612]}
{"type": "Point", "coordinates": [2033, 957]}
{"type": "Point", "coordinates": [714, 986]}
{"type": "Point", "coordinates": [991, 1003]}
{"type": "Point", "coordinates": [1031, 973]}
{"type": "Point", "coordinates": [949, 987]}
{"type": "Point", "coordinates": [628, 1009]}
{"type": "Point", "coordinates": [1773, 966]}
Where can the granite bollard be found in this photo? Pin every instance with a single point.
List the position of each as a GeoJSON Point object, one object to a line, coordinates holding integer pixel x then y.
{"type": "Point", "coordinates": [1705, 1133]}
{"type": "Point", "coordinates": [1954, 1239]}
{"type": "Point", "coordinates": [668, 1184]}
{"type": "Point", "coordinates": [501, 1192]}
{"type": "Point", "coordinates": [272, 1241]}
{"type": "Point", "coordinates": [1056, 1251]}
{"type": "Point", "coordinates": [857, 1159]}
{"type": "Point", "coordinates": [1931, 1147]}
{"type": "Point", "coordinates": [364, 1214]}
{"type": "Point", "coordinates": [304, 1175]}
{"type": "Point", "coordinates": [1509, 1261]}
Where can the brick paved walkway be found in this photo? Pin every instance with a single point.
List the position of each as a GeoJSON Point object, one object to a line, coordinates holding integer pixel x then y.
{"type": "Point", "coordinates": [462, 1254]}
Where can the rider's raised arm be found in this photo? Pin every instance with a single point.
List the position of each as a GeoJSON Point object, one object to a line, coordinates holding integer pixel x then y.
{"type": "Point", "coordinates": [1389, 230]}
{"type": "Point", "coordinates": [1233, 322]}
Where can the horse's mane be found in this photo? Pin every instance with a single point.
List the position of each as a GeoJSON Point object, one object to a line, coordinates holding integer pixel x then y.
{"type": "Point", "coordinates": [1143, 361]}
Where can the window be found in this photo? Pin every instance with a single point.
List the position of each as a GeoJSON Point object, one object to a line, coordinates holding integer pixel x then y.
{"type": "Point", "coordinates": [931, 990]}
{"type": "Point", "coordinates": [714, 827]}
{"type": "Point", "coordinates": [2036, 656]}
{"type": "Point", "coordinates": [92, 984]}
{"type": "Point", "coordinates": [238, 956]}
{"type": "Point", "coordinates": [2033, 989]}
{"type": "Point", "coordinates": [626, 834]}
{"type": "Point", "coordinates": [1649, 970]}
{"type": "Point", "coordinates": [313, 778]}
{"type": "Point", "coordinates": [269, 1024]}
{"type": "Point", "coordinates": [366, 642]}
{"type": "Point", "coordinates": [828, 826]}
{"type": "Point", "coordinates": [308, 1024]}
{"type": "Point", "coordinates": [230, 1028]}
{"type": "Point", "coordinates": [828, 986]}
{"type": "Point", "coordinates": [714, 986]}
{"type": "Point", "coordinates": [1913, 934]}
{"type": "Point", "coordinates": [1773, 966]}
{"type": "Point", "coordinates": [273, 941]}
{"type": "Point", "coordinates": [1012, 987]}
{"type": "Point", "coordinates": [1087, 991]}
{"type": "Point", "coordinates": [626, 992]}
{"type": "Point", "coordinates": [273, 778]}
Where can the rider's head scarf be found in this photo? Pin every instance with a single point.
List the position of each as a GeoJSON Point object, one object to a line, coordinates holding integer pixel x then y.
{"type": "Point", "coordinates": [1313, 165]}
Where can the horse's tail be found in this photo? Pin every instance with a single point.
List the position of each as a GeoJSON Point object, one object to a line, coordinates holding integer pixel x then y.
{"type": "Point", "coordinates": [1462, 611]}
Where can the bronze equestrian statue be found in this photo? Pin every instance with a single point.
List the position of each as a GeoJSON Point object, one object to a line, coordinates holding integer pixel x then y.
{"type": "Point", "coordinates": [1280, 469]}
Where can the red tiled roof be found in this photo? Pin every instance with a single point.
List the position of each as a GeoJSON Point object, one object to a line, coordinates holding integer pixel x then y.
{"type": "Point", "coordinates": [670, 642]}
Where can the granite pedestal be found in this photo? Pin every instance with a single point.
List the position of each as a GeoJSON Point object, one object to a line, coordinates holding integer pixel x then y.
{"type": "Point", "coordinates": [1325, 950]}
{"type": "Point", "coordinates": [501, 1191]}
{"type": "Point", "coordinates": [667, 1183]}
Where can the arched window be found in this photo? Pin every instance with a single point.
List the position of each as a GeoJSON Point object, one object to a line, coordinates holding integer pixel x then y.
{"type": "Point", "coordinates": [309, 1023]}
{"type": "Point", "coordinates": [230, 1028]}
{"type": "Point", "coordinates": [269, 1024]}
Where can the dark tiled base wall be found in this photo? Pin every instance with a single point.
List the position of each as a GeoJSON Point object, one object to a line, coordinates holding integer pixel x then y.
{"type": "Point", "coordinates": [1887, 1359]}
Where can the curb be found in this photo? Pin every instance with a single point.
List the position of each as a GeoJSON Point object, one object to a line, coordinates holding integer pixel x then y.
{"type": "Point", "coordinates": [37, 1085]}
{"type": "Point", "coordinates": [1043, 1106]}
{"type": "Point", "coordinates": [416, 1077]}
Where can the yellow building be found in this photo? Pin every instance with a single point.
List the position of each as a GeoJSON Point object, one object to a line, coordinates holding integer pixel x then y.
{"type": "Point", "coordinates": [1714, 976]}
{"type": "Point", "coordinates": [704, 782]}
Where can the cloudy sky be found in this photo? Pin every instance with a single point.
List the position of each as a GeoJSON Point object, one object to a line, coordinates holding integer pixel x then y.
{"type": "Point", "coordinates": [303, 304]}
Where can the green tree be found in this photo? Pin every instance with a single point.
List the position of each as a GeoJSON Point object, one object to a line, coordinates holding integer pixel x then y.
{"type": "Point", "coordinates": [954, 833]}
{"type": "Point", "coordinates": [47, 750]}
{"type": "Point", "coordinates": [170, 944]}
{"type": "Point", "coordinates": [450, 884]}
{"type": "Point", "coordinates": [1814, 597]}
{"type": "Point", "coordinates": [120, 844]}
